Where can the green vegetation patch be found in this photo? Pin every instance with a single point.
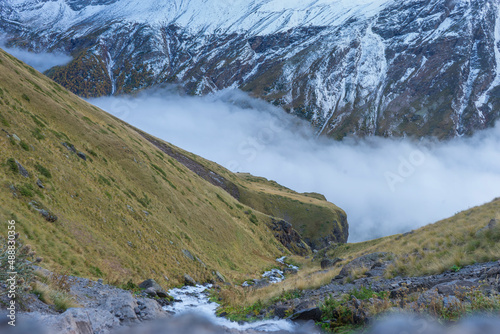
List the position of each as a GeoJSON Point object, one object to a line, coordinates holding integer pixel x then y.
{"type": "Point", "coordinates": [11, 163]}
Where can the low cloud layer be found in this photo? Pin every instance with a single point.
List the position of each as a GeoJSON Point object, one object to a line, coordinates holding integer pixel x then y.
{"type": "Point", "coordinates": [40, 61]}
{"type": "Point", "coordinates": [386, 186]}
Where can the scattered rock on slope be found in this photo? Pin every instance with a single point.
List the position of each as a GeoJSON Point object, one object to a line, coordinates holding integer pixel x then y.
{"type": "Point", "coordinates": [492, 225]}
{"type": "Point", "coordinates": [329, 263]}
{"type": "Point", "coordinates": [22, 170]}
{"type": "Point", "coordinates": [369, 261]}
{"type": "Point", "coordinates": [189, 280]}
{"type": "Point", "coordinates": [154, 287]}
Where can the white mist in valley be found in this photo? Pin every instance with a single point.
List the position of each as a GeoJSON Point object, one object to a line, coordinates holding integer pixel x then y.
{"type": "Point", "coordinates": [41, 61]}
{"type": "Point", "coordinates": [386, 186]}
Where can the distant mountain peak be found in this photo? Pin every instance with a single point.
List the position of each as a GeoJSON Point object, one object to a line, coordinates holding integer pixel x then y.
{"type": "Point", "coordinates": [364, 67]}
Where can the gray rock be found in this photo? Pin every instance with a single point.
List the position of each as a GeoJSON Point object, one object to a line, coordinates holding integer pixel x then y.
{"type": "Point", "coordinates": [201, 262]}
{"type": "Point", "coordinates": [48, 216]}
{"type": "Point", "coordinates": [82, 156]}
{"type": "Point", "coordinates": [261, 283]}
{"type": "Point", "coordinates": [122, 305]}
{"type": "Point", "coordinates": [451, 302]}
{"type": "Point", "coordinates": [40, 184]}
{"type": "Point", "coordinates": [15, 137]}
{"type": "Point", "coordinates": [188, 280]}
{"type": "Point", "coordinates": [280, 311]}
{"type": "Point", "coordinates": [451, 288]}
{"type": "Point", "coordinates": [150, 292]}
{"type": "Point", "coordinates": [328, 263]}
{"type": "Point", "coordinates": [150, 310]}
{"type": "Point", "coordinates": [219, 277]}
{"type": "Point", "coordinates": [188, 254]}
{"type": "Point", "coordinates": [74, 321]}
{"type": "Point", "coordinates": [70, 148]}
{"type": "Point", "coordinates": [247, 284]}
{"type": "Point", "coordinates": [290, 271]}
{"type": "Point", "coordinates": [22, 170]}
{"type": "Point", "coordinates": [307, 314]}
{"type": "Point", "coordinates": [492, 225]}
{"type": "Point", "coordinates": [493, 272]}
{"type": "Point", "coordinates": [154, 286]}
{"type": "Point", "coordinates": [368, 261]}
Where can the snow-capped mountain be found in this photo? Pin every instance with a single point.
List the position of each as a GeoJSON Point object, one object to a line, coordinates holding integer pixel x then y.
{"type": "Point", "coordinates": [363, 67]}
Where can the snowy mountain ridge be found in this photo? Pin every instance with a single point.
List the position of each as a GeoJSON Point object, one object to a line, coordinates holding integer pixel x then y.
{"type": "Point", "coordinates": [364, 67]}
{"type": "Point", "coordinates": [205, 16]}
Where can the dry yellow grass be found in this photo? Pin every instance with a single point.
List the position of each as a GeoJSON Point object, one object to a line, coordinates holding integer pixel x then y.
{"type": "Point", "coordinates": [129, 211]}
{"type": "Point", "coordinates": [437, 247]}
{"type": "Point", "coordinates": [429, 250]}
{"type": "Point", "coordinates": [310, 276]}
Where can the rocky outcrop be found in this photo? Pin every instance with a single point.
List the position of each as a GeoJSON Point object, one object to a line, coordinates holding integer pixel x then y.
{"type": "Point", "coordinates": [291, 239]}
{"type": "Point", "coordinates": [188, 280]}
{"type": "Point", "coordinates": [46, 214]}
{"type": "Point", "coordinates": [337, 233]}
{"type": "Point", "coordinates": [329, 263]}
{"type": "Point", "coordinates": [22, 170]}
{"type": "Point", "coordinates": [443, 287]}
{"type": "Point", "coordinates": [493, 225]}
{"type": "Point", "coordinates": [313, 314]}
{"type": "Point", "coordinates": [104, 309]}
{"type": "Point", "coordinates": [202, 171]}
{"type": "Point", "coordinates": [154, 287]}
{"type": "Point", "coordinates": [368, 262]}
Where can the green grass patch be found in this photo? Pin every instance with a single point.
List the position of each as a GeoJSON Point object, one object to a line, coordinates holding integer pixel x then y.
{"type": "Point", "coordinates": [24, 146]}
{"type": "Point", "coordinates": [37, 134]}
{"type": "Point", "coordinates": [43, 171]}
{"type": "Point", "coordinates": [11, 163]}
{"type": "Point", "coordinates": [26, 190]}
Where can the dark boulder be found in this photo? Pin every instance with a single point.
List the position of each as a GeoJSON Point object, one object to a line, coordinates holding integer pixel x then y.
{"type": "Point", "coordinates": [48, 216]}
{"type": "Point", "coordinates": [369, 261]}
{"type": "Point", "coordinates": [188, 254]}
{"type": "Point", "coordinates": [307, 314]}
{"type": "Point", "coordinates": [152, 286]}
{"type": "Point", "coordinates": [70, 147]}
{"type": "Point", "coordinates": [188, 280]}
{"type": "Point", "coordinates": [82, 156]}
{"type": "Point", "coordinates": [451, 288]}
{"type": "Point", "coordinates": [219, 277]}
{"type": "Point", "coordinates": [22, 170]}
{"type": "Point", "coordinates": [328, 263]}
{"type": "Point", "coordinates": [290, 238]}
{"type": "Point", "coordinates": [492, 225]}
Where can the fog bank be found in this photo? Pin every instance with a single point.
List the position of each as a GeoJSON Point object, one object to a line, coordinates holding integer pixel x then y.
{"type": "Point", "coordinates": [40, 61]}
{"type": "Point", "coordinates": [386, 186]}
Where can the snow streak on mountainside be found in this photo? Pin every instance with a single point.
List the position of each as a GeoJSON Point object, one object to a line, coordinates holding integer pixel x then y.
{"type": "Point", "coordinates": [363, 67]}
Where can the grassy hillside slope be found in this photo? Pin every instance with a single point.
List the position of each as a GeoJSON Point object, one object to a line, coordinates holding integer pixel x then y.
{"type": "Point", "coordinates": [450, 243]}
{"type": "Point", "coordinates": [125, 209]}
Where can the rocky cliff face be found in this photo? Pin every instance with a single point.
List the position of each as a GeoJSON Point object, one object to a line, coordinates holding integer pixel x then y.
{"type": "Point", "coordinates": [365, 67]}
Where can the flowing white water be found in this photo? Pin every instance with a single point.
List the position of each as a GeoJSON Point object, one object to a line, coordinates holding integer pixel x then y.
{"type": "Point", "coordinates": [194, 300]}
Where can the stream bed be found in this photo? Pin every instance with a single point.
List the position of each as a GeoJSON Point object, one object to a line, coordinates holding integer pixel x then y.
{"type": "Point", "coordinates": [195, 300]}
